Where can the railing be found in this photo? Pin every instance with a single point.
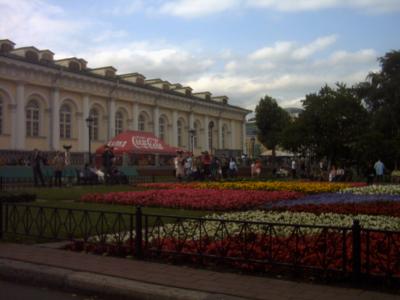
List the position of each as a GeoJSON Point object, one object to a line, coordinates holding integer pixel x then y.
{"type": "Point", "coordinates": [331, 252]}
{"type": "Point", "coordinates": [10, 183]}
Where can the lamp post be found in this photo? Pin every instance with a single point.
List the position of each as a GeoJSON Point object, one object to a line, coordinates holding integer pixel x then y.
{"type": "Point", "coordinates": [89, 123]}
{"type": "Point", "coordinates": [192, 132]}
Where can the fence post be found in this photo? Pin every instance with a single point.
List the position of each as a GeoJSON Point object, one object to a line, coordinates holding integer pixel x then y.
{"type": "Point", "coordinates": [356, 229]}
{"type": "Point", "coordinates": [138, 233]}
{"type": "Point", "coordinates": [1, 219]}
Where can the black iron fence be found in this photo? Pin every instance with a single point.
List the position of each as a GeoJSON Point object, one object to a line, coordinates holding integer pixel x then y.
{"type": "Point", "coordinates": [342, 252]}
{"type": "Point", "coordinates": [14, 183]}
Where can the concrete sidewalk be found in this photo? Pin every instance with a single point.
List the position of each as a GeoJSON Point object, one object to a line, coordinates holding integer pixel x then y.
{"type": "Point", "coordinates": [132, 279]}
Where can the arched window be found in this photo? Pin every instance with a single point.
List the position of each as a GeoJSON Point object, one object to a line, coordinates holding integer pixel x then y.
{"type": "Point", "coordinates": [179, 133]}
{"type": "Point", "coordinates": [142, 123]}
{"type": "Point", "coordinates": [94, 129]}
{"type": "Point", "coordinates": [223, 137]}
{"type": "Point", "coordinates": [1, 115]}
{"type": "Point", "coordinates": [65, 121]}
{"type": "Point", "coordinates": [162, 125]}
{"type": "Point", "coordinates": [32, 118]}
{"type": "Point", "coordinates": [196, 128]}
{"type": "Point", "coordinates": [210, 134]}
{"type": "Point", "coordinates": [119, 122]}
{"type": "Point", "coordinates": [31, 56]}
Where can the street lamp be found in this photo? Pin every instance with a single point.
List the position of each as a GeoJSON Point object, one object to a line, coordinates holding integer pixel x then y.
{"type": "Point", "coordinates": [89, 123]}
{"type": "Point", "coordinates": [192, 132]}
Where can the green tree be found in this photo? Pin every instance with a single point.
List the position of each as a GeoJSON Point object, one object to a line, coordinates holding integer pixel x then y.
{"type": "Point", "coordinates": [330, 125]}
{"type": "Point", "coordinates": [381, 95]}
{"type": "Point", "coordinates": [271, 120]}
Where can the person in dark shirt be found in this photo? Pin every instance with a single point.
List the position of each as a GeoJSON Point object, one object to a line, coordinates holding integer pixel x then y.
{"type": "Point", "coordinates": [36, 161]}
{"type": "Point", "coordinates": [108, 157]}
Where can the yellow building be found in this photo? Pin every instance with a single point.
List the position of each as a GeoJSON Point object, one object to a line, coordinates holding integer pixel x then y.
{"type": "Point", "coordinates": [44, 104]}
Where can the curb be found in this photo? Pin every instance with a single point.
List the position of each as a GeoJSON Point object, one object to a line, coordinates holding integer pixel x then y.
{"type": "Point", "coordinates": [102, 285]}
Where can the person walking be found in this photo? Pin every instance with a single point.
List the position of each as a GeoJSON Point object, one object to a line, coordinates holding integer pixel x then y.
{"type": "Point", "coordinates": [233, 169]}
{"type": "Point", "coordinates": [379, 170]}
{"type": "Point", "coordinates": [179, 166]}
{"type": "Point", "coordinates": [36, 161]}
{"type": "Point", "coordinates": [293, 167]}
{"type": "Point", "coordinates": [258, 167]}
{"type": "Point", "coordinates": [108, 158]}
{"type": "Point", "coordinates": [59, 165]}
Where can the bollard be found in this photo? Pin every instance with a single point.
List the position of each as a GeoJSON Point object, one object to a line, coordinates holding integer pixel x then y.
{"type": "Point", "coordinates": [138, 233]}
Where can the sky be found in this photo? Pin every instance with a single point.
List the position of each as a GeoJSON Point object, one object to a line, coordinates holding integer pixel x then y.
{"type": "Point", "coordinates": [244, 49]}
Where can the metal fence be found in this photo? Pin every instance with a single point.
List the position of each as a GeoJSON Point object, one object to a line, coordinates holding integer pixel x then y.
{"type": "Point", "coordinates": [11, 184]}
{"type": "Point", "coordinates": [341, 252]}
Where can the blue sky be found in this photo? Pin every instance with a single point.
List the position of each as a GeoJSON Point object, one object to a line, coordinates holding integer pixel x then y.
{"type": "Point", "coordinates": [240, 48]}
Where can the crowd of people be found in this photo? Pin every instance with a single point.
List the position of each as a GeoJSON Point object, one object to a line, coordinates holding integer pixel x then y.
{"type": "Point", "coordinates": [205, 166]}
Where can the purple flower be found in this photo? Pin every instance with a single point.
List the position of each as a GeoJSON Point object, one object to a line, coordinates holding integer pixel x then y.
{"type": "Point", "coordinates": [330, 198]}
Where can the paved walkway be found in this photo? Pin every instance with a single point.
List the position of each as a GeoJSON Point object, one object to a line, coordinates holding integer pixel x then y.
{"type": "Point", "coordinates": [161, 280]}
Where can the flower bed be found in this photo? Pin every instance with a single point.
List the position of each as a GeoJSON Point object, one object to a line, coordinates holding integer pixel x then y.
{"type": "Point", "coordinates": [265, 253]}
{"type": "Point", "coordinates": [193, 198]}
{"type": "Point", "coordinates": [390, 189]}
{"type": "Point", "coordinates": [331, 198]}
{"type": "Point", "coordinates": [296, 186]}
{"type": "Point", "coordinates": [371, 208]}
{"type": "Point", "coordinates": [329, 219]}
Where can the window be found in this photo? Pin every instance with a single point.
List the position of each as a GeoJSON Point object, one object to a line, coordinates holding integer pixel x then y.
{"type": "Point", "coordinates": [65, 122]}
{"type": "Point", "coordinates": [162, 125]}
{"type": "Point", "coordinates": [1, 115]}
{"type": "Point", "coordinates": [94, 129]}
{"type": "Point", "coordinates": [196, 130]}
{"type": "Point", "coordinates": [142, 123]}
{"type": "Point", "coordinates": [119, 122]}
{"type": "Point", "coordinates": [31, 56]}
{"type": "Point", "coordinates": [210, 134]}
{"type": "Point", "coordinates": [32, 118]}
{"type": "Point", "coordinates": [179, 133]}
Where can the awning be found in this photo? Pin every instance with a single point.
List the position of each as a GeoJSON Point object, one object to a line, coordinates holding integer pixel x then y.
{"type": "Point", "coordinates": [138, 142]}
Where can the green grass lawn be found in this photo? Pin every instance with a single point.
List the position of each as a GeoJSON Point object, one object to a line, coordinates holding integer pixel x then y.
{"type": "Point", "coordinates": [70, 213]}
{"type": "Point", "coordinates": [74, 192]}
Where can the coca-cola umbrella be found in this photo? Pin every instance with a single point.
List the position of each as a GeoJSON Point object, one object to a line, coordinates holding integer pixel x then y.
{"type": "Point", "coordinates": [138, 142]}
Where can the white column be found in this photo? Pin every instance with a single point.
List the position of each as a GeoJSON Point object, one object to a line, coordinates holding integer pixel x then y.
{"type": "Point", "coordinates": [174, 128]}
{"type": "Point", "coordinates": [206, 144]}
{"type": "Point", "coordinates": [84, 130]}
{"type": "Point", "coordinates": [13, 130]}
{"type": "Point", "coordinates": [111, 118]}
{"type": "Point", "coordinates": [55, 120]}
{"type": "Point", "coordinates": [220, 146]}
{"type": "Point", "coordinates": [135, 114]}
{"type": "Point", "coordinates": [156, 119]}
{"type": "Point", "coordinates": [233, 135]}
{"type": "Point", "coordinates": [191, 121]}
{"type": "Point", "coordinates": [244, 136]}
{"type": "Point", "coordinates": [20, 121]}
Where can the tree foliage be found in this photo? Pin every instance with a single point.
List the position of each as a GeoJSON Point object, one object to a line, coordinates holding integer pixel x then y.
{"type": "Point", "coordinates": [330, 125]}
{"type": "Point", "coordinates": [381, 95]}
{"type": "Point", "coordinates": [271, 120]}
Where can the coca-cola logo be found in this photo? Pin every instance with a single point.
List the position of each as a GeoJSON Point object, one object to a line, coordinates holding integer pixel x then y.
{"type": "Point", "coordinates": [141, 142]}
{"type": "Point", "coordinates": [117, 144]}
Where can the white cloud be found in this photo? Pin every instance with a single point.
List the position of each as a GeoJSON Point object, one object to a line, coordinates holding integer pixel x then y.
{"type": "Point", "coordinates": [34, 21]}
{"type": "Point", "coordinates": [315, 46]}
{"type": "Point", "coordinates": [197, 8]}
{"type": "Point", "coordinates": [381, 6]}
{"type": "Point", "coordinates": [153, 59]}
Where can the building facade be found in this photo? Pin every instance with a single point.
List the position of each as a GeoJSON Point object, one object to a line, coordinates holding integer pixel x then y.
{"type": "Point", "coordinates": [47, 103]}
